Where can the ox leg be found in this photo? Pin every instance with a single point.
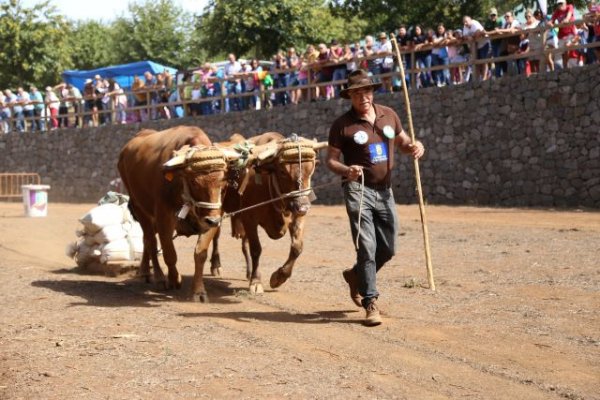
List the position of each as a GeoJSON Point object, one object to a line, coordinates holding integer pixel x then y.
{"type": "Point", "coordinates": [256, 286]}
{"type": "Point", "coordinates": [282, 274]}
{"type": "Point", "coordinates": [170, 256]}
{"type": "Point", "coordinates": [150, 248]}
{"type": "Point", "coordinates": [200, 256]}
{"type": "Point", "coordinates": [215, 259]}
{"type": "Point", "coordinates": [247, 258]}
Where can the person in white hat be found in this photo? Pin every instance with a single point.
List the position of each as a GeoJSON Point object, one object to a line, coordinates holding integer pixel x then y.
{"type": "Point", "coordinates": [366, 138]}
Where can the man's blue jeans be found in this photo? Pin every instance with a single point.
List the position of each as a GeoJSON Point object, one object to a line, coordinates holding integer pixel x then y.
{"type": "Point", "coordinates": [378, 226]}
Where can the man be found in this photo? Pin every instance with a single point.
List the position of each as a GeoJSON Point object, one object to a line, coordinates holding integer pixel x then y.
{"type": "Point", "coordinates": [404, 41]}
{"type": "Point", "coordinates": [510, 44]}
{"type": "Point", "coordinates": [492, 25]}
{"type": "Point", "coordinates": [562, 14]}
{"type": "Point", "coordinates": [38, 109]}
{"type": "Point", "coordinates": [25, 100]}
{"type": "Point", "coordinates": [386, 63]}
{"type": "Point", "coordinates": [234, 86]}
{"type": "Point", "coordinates": [17, 109]}
{"type": "Point", "coordinates": [473, 30]}
{"type": "Point", "coordinates": [366, 136]}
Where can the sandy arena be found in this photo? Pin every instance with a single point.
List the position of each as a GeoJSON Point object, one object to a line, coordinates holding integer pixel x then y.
{"type": "Point", "coordinates": [516, 315]}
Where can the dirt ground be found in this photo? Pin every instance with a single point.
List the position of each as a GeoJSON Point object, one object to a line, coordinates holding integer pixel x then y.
{"type": "Point", "coordinates": [516, 315]}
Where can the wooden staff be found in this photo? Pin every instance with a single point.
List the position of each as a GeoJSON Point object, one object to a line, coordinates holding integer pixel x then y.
{"type": "Point", "coordinates": [416, 163]}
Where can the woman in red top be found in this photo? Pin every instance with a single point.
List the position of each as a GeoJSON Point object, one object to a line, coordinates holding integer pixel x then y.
{"type": "Point", "coordinates": [564, 13]}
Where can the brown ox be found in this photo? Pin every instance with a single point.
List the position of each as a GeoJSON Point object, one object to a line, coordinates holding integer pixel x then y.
{"type": "Point", "coordinates": [160, 187]}
{"type": "Point", "coordinates": [285, 167]}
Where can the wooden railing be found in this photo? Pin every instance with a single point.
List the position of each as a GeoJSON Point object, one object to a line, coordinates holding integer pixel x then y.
{"type": "Point", "coordinates": [264, 93]}
{"type": "Point", "coordinates": [10, 183]}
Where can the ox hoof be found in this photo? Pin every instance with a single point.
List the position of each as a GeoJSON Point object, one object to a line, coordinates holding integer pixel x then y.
{"type": "Point", "coordinates": [256, 288]}
{"type": "Point", "coordinates": [278, 278]}
{"type": "Point", "coordinates": [175, 283]}
{"type": "Point", "coordinates": [200, 298]}
{"type": "Point", "coordinates": [146, 278]}
{"type": "Point", "coordinates": [216, 272]}
{"type": "Point", "coordinates": [161, 285]}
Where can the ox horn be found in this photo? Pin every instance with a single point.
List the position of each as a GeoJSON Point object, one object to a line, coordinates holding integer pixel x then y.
{"type": "Point", "coordinates": [320, 145]}
{"type": "Point", "coordinates": [175, 162]}
{"type": "Point", "coordinates": [268, 153]}
{"type": "Point", "coordinates": [315, 145]}
{"type": "Point", "coordinates": [230, 155]}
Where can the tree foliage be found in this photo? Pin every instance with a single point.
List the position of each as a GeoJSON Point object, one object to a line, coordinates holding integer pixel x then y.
{"type": "Point", "coordinates": [155, 30]}
{"type": "Point", "coordinates": [33, 44]}
{"type": "Point", "coordinates": [389, 14]}
{"type": "Point", "coordinates": [91, 45]}
{"type": "Point", "coordinates": [260, 28]}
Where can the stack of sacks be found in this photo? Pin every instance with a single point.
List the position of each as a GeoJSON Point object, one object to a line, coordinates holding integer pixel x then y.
{"type": "Point", "coordinates": [109, 235]}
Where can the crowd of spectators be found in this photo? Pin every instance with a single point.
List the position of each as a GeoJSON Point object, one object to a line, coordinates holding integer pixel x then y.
{"type": "Point", "coordinates": [249, 84]}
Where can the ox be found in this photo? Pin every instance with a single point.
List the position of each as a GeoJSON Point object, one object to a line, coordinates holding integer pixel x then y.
{"type": "Point", "coordinates": [282, 166]}
{"type": "Point", "coordinates": [168, 175]}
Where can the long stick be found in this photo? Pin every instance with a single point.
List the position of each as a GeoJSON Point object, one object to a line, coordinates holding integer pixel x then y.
{"type": "Point", "coordinates": [416, 163]}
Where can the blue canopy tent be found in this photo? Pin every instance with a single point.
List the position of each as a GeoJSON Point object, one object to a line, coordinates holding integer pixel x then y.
{"type": "Point", "coordinates": [123, 74]}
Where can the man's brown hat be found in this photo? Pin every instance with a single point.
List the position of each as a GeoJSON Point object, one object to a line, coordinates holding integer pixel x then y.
{"type": "Point", "coordinates": [357, 80]}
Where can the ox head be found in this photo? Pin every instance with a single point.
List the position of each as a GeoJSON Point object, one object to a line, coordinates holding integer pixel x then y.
{"type": "Point", "coordinates": [291, 163]}
{"type": "Point", "coordinates": [202, 171]}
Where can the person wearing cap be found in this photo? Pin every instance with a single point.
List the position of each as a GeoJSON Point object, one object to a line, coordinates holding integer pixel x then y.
{"type": "Point", "coordinates": [386, 63]}
{"type": "Point", "coordinates": [566, 34]}
{"type": "Point", "coordinates": [366, 137]}
{"type": "Point", "coordinates": [491, 26]}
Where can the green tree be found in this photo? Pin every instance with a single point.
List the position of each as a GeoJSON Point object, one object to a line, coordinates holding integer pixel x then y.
{"type": "Point", "coordinates": [387, 15]}
{"type": "Point", "coordinates": [154, 30]}
{"type": "Point", "coordinates": [33, 44]}
{"type": "Point", "coordinates": [91, 45]}
{"type": "Point", "coordinates": [262, 27]}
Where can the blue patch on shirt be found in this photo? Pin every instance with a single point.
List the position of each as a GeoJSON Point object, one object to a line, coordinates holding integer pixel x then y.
{"type": "Point", "coordinates": [379, 152]}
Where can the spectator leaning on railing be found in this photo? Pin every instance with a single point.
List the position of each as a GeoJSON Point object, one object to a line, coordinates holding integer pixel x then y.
{"type": "Point", "coordinates": [566, 34]}
{"type": "Point", "coordinates": [5, 113]}
{"type": "Point", "coordinates": [38, 109]}
{"type": "Point", "coordinates": [426, 47]}
{"type": "Point", "coordinates": [52, 103]}
{"type": "Point", "coordinates": [473, 30]}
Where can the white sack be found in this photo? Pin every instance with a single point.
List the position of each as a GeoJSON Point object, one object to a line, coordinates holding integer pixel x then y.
{"type": "Point", "coordinates": [101, 216]}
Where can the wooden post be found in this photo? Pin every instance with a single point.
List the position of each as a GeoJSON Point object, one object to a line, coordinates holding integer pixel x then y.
{"type": "Point", "coordinates": [473, 49]}
{"type": "Point", "coordinates": [223, 95]}
{"type": "Point", "coordinates": [417, 172]}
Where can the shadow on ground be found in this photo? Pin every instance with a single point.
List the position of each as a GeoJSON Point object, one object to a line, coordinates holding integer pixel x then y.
{"type": "Point", "coordinates": [132, 292]}
{"type": "Point", "coordinates": [319, 317]}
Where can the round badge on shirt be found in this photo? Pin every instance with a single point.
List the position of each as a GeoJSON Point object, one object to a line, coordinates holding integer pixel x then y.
{"type": "Point", "coordinates": [389, 132]}
{"type": "Point", "coordinates": [361, 137]}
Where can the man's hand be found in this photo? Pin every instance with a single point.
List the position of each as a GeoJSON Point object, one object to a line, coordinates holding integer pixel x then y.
{"type": "Point", "coordinates": [417, 150]}
{"type": "Point", "coordinates": [353, 172]}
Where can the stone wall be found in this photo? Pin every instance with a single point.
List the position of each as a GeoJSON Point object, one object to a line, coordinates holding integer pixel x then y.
{"type": "Point", "coordinates": [511, 142]}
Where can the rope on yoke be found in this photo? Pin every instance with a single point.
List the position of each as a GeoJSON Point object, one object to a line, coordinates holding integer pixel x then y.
{"type": "Point", "coordinates": [295, 193]}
